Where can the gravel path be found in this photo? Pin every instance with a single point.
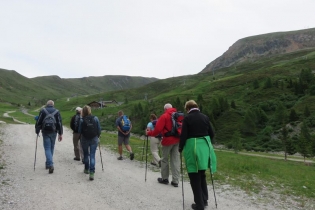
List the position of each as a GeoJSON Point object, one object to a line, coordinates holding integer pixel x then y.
{"type": "Point", "coordinates": [120, 186]}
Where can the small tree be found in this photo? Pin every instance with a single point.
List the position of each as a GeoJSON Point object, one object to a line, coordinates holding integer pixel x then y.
{"type": "Point", "coordinates": [267, 83]}
{"type": "Point", "coordinates": [305, 143]}
{"type": "Point", "coordinates": [280, 114]}
{"type": "Point", "coordinates": [255, 84]}
{"type": "Point", "coordinates": [233, 105]}
{"type": "Point", "coordinates": [307, 112]}
{"type": "Point", "coordinates": [293, 115]}
{"type": "Point", "coordinates": [284, 139]}
{"type": "Point", "coordinates": [249, 125]}
{"type": "Point", "coordinates": [237, 141]}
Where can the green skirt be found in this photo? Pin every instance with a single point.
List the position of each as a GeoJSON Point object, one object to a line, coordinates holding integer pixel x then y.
{"type": "Point", "coordinates": [199, 155]}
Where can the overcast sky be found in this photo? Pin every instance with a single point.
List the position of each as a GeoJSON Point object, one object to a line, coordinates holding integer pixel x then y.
{"type": "Point", "coordinates": [150, 38]}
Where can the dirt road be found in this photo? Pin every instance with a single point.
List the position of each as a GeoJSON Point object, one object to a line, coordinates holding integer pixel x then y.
{"type": "Point", "coordinates": [121, 186]}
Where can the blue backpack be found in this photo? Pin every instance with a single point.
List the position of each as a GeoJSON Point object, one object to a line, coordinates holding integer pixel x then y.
{"type": "Point", "coordinates": [125, 123]}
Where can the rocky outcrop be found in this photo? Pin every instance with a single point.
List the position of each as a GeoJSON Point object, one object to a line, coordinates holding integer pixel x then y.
{"type": "Point", "coordinates": [250, 48]}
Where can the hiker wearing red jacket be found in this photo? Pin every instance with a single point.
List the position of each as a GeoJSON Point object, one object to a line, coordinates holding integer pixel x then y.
{"type": "Point", "coordinates": [169, 146]}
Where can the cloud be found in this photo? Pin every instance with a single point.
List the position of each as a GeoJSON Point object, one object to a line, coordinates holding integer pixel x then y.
{"type": "Point", "coordinates": [137, 38]}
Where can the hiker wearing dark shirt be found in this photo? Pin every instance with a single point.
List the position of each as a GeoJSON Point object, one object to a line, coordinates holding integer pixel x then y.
{"type": "Point", "coordinates": [90, 131]}
{"type": "Point", "coordinates": [196, 144]}
{"type": "Point", "coordinates": [74, 125]}
{"type": "Point", "coordinates": [49, 132]}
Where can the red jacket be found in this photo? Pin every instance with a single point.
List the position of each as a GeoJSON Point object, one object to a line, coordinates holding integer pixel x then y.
{"type": "Point", "coordinates": [163, 125]}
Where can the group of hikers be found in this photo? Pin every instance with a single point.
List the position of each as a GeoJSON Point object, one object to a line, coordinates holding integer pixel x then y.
{"type": "Point", "coordinates": [194, 141]}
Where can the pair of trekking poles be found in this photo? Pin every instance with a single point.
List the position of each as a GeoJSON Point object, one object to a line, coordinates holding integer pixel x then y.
{"type": "Point", "coordinates": [99, 145]}
{"type": "Point", "coordinates": [181, 169]}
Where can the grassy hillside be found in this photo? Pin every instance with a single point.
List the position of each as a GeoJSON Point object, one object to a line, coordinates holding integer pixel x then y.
{"type": "Point", "coordinates": [248, 98]}
{"type": "Point", "coordinates": [17, 89]}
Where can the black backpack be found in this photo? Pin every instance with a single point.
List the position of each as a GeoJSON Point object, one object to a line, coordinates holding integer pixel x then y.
{"type": "Point", "coordinates": [89, 127]}
{"type": "Point", "coordinates": [76, 123]}
{"type": "Point", "coordinates": [49, 122]}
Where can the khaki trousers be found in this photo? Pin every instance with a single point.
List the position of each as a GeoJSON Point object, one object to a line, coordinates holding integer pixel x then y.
{"type": "Point", "coordinates": [77, 148]}
{"type": "Point", "coordinates": [174, 161]}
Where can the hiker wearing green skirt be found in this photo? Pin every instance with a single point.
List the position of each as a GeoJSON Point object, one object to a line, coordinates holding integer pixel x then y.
{"type": "Point", "coordinates": [196, 144]}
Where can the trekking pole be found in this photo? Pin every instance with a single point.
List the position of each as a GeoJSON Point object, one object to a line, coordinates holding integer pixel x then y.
{"type": "Point", "coordinates": [146, 159]}
{"type": "Point", "coordinates": [143, 148]}
{"type": "Point", "coordinates": [99, 145]}
{"type": "Point", "coordinates": [181, 170]}
{"type": "Point", "coordinates": [35, 152]}
{"type": "Point", "coordinates": [215, 199]}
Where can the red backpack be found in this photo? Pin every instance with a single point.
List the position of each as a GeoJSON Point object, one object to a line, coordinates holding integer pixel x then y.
{"type": "Point", "coordinates": [177, 121]}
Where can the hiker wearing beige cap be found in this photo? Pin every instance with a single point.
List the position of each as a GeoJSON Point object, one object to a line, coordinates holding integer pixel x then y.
{"type": "Point", "coordinates": [74, 124]}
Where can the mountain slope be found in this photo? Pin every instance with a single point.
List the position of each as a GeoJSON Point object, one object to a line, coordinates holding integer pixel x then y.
{"type": "Point", "coordinates": [266, 45]}
{"type": "Point", "coordinates": [16, 88]}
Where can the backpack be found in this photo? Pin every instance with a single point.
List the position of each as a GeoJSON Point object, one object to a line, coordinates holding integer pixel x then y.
{"type": "Point", "coordinates": [177, 121]}
{"type": "Point", "coordinates": [49, 122]}
{"type": "Point", "coordinates": [89, 127]}
{"type": "Point", "coordinates": [125, 123]}
{"type": "Point", "coordinates": [154, 123]}
{"type": "Point", "coordinates": [76, 123]}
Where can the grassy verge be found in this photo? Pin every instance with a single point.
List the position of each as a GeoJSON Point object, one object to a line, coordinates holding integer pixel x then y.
{"type": "Point", "coordinates": [252, 174]}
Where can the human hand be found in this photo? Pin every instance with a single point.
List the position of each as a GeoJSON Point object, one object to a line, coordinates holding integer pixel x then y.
{"type": "Point", "coordinates": [180, 150]}
{"type": "Point", "coordinates": [59, 138]}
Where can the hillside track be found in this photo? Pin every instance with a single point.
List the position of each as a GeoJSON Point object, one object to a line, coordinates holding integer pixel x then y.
{"type": "Point", "coordinates": [121, 186]}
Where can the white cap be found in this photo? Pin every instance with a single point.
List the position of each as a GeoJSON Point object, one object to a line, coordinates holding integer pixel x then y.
{"type": "Point", "coordinates": [78, 109]}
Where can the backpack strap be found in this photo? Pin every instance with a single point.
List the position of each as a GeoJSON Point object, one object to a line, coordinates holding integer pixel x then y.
{"type": "Point", "coordinates": [55, 112]}
{"type": "Point", "coordinates": [45, 110]}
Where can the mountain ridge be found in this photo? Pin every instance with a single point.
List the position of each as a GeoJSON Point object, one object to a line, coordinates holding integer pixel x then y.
{"type": "Point", "coordinates": [255, 47]}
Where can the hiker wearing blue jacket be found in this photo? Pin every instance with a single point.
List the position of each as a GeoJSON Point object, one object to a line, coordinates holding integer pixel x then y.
{"type": "Point", "coordinates": [90, 131]}
{"type": "Point", "coordinates": [49, 122]}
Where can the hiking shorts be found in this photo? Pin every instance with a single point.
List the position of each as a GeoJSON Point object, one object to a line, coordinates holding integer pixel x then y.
{"type": "Point", "coordinates": [123, 139]}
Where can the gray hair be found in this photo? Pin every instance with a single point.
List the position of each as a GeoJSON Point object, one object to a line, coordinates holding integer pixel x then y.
{"type": "Point", "coordinates": [168, 106]}
{"type": "Point", "coordinates": [50, 103]}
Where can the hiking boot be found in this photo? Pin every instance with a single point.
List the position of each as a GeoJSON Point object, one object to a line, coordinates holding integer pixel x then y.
{"type": "Point", "coordinates": [120, 158]}
{"type": "Point", "coordinates": [163, 181]}
{"type": "Point", "coordinates": [86, 171]}
{"type": "Point", "coordinates": [51, 170]}
{"type": "Point", "coordinates": [174, 184]}
{"type": "Point", "coordinates": [154, 164]}
{"type": "Point", "coordinates": [132, 156]}
{"type": "Point", "coordinates": [47, 167]}
{"type": "Point", "coordinates": [77, 159]}
{"type": "Point", "coordinates": [91, 176]}
{"type": "Point", "coordinates": [194, 206]}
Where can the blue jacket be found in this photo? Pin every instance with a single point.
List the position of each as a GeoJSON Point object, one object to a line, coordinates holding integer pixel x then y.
{"type": "Point", "coordinates": [42, 115]}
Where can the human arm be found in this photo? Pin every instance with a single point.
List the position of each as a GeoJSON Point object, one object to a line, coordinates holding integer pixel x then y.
{"type": "Point", "coordinates": [184, 135]}
{"type": "Point", "coordinates": [59, 124]}
{"type": "Point", "coordinates": [158, 129]}
{"type": "Point", "coordinates": [99, 129]}
{"type": "Point", "coordinates": [38, 124]}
